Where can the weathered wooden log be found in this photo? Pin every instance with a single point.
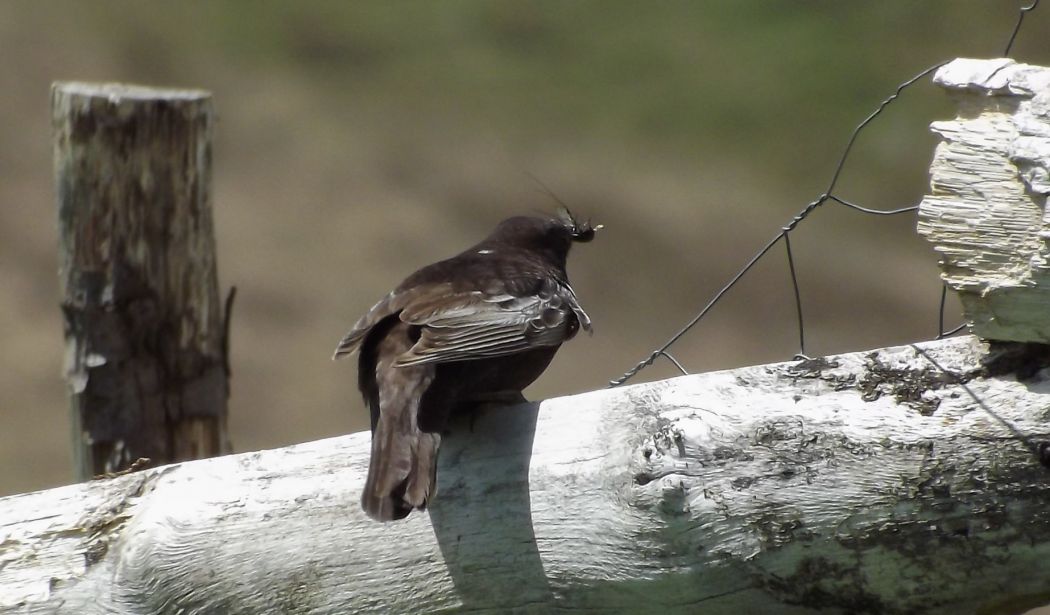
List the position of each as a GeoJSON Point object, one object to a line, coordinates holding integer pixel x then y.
{"type": "Point", "coordinates": [863, 483]}
{"type": "Point", "coordinates": [986, 213]}
{"type": "Point", "coordinates": [146, 344]}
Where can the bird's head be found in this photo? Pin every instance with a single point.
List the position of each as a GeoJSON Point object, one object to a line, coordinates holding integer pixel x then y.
{"type": "Point", "coordinates": [551, 237]}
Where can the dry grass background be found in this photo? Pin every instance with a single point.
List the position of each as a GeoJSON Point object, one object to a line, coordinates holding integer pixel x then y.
{"type": "Point", "coordinates": [358, 141]}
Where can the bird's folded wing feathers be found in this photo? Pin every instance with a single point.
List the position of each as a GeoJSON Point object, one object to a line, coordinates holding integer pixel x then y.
{"type": "Point", "coordinates": [387, 306]}
{"type": "Point", "coordinates": [461, 326]}
{"type": "Point", "coordinates": [478, 325]}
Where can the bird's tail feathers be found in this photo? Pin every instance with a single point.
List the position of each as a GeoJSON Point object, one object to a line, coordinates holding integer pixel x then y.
{"type": "Point", "coordinates": [402, 473]}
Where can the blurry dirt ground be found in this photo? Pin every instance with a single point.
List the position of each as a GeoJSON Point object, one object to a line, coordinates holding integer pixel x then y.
{"type": "Point", "coordinates": [359, 141]}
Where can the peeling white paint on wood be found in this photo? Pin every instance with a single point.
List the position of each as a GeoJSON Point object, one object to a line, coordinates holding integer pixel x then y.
{"type": "Point", "coordinates": [986, 211]}
{"type": "Point", "coordinates": [786, 488]}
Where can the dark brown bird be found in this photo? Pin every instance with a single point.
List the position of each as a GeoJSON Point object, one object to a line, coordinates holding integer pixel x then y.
{"type": "Point", "coordinates": [476, 328]}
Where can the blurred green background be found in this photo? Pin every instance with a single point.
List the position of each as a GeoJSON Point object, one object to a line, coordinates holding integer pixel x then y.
{"type": "Point", "coordinates": [359, 141]}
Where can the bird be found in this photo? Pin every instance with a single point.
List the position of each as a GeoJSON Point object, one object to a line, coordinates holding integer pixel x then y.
{"type": "Point", "coordinates": [470, 330]}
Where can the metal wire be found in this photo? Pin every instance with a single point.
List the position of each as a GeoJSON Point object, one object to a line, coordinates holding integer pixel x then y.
{"type": "Point", "coordinates": [674, 338]}
{"type": "Point", "coordinates": [675, 361]}
{"type": "Point", "coordinates": [828, 195]}
{"type": "Point", "coordinates": [952, 332]}
{"type": "Point", "coordinates": [867, 120]}
{"type": "Point", "coordinates": [802, 215]}
{"type": "Point", "coordinates": [1024, 10]}
{"type": "Point", "coordinates": [798, 297]}
{"type": "Point", "coordinates": [940, 311]}
{"type": "Point", "coordinates": [1036, 448]}
{"type": "Point", "coordinates": [876, 212]}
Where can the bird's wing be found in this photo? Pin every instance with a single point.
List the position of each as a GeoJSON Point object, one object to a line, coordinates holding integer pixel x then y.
{"type": "Point", "coordinates": [387, 306]}
{"type": "Point", "coordinates": [480, 324]}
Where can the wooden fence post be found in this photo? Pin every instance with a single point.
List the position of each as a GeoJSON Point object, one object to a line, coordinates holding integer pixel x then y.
{"type": "Point", "coordinates": [146, 337]}
{"type": "Point", "coordinates": [986, 211]}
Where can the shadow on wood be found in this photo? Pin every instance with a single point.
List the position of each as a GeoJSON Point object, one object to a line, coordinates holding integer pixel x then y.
{"type": "Point", "coordinates": [484, 527]}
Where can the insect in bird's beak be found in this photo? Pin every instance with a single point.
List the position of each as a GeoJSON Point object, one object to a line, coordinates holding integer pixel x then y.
{"type": "Point", "coordinates": [582, 232]}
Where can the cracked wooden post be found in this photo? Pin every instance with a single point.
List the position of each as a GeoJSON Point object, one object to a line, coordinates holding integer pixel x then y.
{"type": "Point", "coordinates": [145, 334]}
{"type": "Point", "coordinates": [986, 214]}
